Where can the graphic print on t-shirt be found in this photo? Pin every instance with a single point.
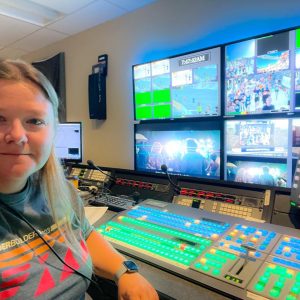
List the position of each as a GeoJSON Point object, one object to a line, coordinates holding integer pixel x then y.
{"type": "Point", "coordinates": [28, 262]}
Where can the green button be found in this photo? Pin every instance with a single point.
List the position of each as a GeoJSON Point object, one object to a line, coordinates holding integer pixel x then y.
{"type": "Point", "coordinates": [216, 272]}
{"type": "Point", "coordinates": [295, 290]}
{"type": "Point", "coordinates": [259, 287]}
{"type": "Point", "coordinates": [267, 274]}
{"type": "Point", "coordinates": [205, 268]}
{"type": "Point", "coordinates": [275, 292]}
{"type": "Point", "coordinates": [198, 265]}
{"type": "Point", "coordinates": [282, 279]}
{"type": "Point", "coordinates": [263, 279]}
{"type": "Point", "coordinates": [279, 284]}
{"type": "Point", "coordinates": [290, 297]}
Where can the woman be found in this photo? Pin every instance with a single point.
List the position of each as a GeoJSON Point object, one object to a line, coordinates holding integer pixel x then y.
{"type": "Point", "coordinates": [47, 248]}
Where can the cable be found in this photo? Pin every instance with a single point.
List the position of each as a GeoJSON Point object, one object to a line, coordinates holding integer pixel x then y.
{"type": "Point", "coordinates": [16, 213]}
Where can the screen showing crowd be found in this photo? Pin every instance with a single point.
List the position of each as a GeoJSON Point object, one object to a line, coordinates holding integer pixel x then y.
{"type": "Point", "coordinates": [185, 152]}
{"type": "Point", "coordinates": [263, 74]}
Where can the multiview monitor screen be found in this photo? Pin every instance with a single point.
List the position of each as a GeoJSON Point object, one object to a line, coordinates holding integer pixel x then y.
{"type": "Point", "coordinates": [186, 150]}
{"type": "Point", "coordinates": [296, 138]}
{"type": "Point", "coordinates": [257, 138]}
{"type": "Point", "coordinates": [184, 86]}
{"type": "Point", "coordinates": [68, 142]}
{"type": "Point", "coordinates": [262, 75]}
{"type": "Point", "coordinates": [257, 172]}
{"type": "Point", "coordinates": [262, 151]}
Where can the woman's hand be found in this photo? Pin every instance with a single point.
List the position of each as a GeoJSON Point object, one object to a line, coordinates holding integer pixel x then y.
{"type": "Point", "coordinates": [133, 286]}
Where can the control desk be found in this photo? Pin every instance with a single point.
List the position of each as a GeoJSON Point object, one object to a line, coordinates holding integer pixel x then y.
{"type": "Point", "coordinates": [241, 258]}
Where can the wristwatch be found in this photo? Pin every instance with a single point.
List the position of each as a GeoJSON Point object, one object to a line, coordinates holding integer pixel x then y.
{"type": "Point", "coordinates": [128, 266]}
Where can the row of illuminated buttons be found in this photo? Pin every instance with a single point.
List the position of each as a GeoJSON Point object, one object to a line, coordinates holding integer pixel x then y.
{"type": "Point", "coordinates": [234, 213]}
{"type": "Point", "coordinates": [206, 194]}
{"type": "Point", "coordinates": [137, 184]}
{"type": "Point", "coordinates": [235, 209]}
{"type": "Point", "coordinates": [184, 203]}
{"type": "Point", "coordinates": [97, 175]}
{"type": "Point", "coordinates": [76, 171]}
{"type": "Point", "coordinates": [243, 208]}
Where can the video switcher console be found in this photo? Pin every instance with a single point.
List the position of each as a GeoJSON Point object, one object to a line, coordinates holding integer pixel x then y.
{"type": "Point", "coordinates": [244, 259]}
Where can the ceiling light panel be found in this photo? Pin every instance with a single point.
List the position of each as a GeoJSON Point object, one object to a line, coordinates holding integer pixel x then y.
{"type": "Point", "coordinates": [64, 6]}
{"type": "Point", "coordinates": [29, 11]}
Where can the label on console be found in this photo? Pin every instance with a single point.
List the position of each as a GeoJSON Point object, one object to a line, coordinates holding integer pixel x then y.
{"type": "Point", "coordinates": [255, 296]}
{"type": "Point", "coordinates": [267, 198]}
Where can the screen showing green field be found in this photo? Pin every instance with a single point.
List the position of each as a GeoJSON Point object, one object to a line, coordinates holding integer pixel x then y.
{"type": "Point", "coordinates": [184, 86]}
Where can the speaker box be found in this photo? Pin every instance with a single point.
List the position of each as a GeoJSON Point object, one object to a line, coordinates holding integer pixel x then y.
{"type": "Point", "coordinates": [97, 96]}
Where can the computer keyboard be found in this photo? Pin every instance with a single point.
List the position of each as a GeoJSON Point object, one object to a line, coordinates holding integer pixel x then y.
{"type": "Point", "coordinates": [116, 203]}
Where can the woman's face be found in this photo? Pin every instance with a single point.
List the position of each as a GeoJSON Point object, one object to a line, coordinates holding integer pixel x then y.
{"type": "Point", "coordinates": [26, 130]}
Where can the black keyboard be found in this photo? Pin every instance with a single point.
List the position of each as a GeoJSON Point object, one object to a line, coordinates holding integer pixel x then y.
{"type": "Point", "coordinates": [116, 203]}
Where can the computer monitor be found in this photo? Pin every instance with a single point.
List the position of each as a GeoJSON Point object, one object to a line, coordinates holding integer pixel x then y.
{"type": "Point", "coordinates": [68, 142]}
{"type": "Point", "coordinates": [184, 86]}
{"type": "Point", "coordinates": [186, 149]}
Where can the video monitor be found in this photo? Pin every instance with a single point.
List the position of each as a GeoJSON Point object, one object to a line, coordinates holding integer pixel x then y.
{"type": "Point", "coordinates": [68, 142]}
{"type": "Point", "coordinates": [257, 138]}
{"type": "Point", "coordinates": [257, 172]}
{"type": "Point", "coordinates": [297, 73]}
{"type": "Point", "coordinates": [296, 138]}
{"type": "Point", "coordinates": [260, 75]}
{"type": "Point", "coordinates": [186, 149]}
{"type": "Point", "coordinates": [184, 86]}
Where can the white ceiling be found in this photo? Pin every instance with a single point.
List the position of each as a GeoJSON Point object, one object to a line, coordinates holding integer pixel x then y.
{"type": "Point", "coordinates": [19, 37]}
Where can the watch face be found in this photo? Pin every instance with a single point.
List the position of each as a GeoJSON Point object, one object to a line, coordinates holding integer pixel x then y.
{"type": "Point", "coordinates": [131, 266]}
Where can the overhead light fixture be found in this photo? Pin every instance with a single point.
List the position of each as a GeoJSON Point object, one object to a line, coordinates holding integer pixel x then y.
{"type": "Point", "coordinates": [29, 11]}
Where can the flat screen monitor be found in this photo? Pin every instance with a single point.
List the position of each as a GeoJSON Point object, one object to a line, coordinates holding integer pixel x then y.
{"type": "Point", "coordinates": [257, 137]}
{"type": "Point", "coordinates": [257, 172]}
{"type": "Point", "coordinates": [184, 86]}
{"type": "Point", "coordinates": [262, 75]}
{"type": "Point", "coordinates": [296, 138]}
{"type": "Point", "coordinates": [262, 151]}
{"type": "Point", "coordinates": [68, 142]}
{"type": "Point", "coordinates": [186, 149]}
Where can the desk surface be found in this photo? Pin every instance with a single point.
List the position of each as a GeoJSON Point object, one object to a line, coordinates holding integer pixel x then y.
{"type": "Point", "coordinates": [166, 282]}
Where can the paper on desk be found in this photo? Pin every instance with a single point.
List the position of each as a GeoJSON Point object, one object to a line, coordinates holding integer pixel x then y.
{"type": "Point", "coordinates": [93, 214]}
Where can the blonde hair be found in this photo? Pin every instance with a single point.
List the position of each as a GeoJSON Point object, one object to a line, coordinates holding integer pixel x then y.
{"type": "Point", "coordinates": [51, 176]}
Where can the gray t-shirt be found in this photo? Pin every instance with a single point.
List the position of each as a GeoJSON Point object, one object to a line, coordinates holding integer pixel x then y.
{"type": "Point", "coordinates": [28, 269]}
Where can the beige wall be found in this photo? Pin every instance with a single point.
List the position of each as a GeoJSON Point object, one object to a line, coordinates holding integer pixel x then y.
{"type": "Point", "coordinates": [165, 28]}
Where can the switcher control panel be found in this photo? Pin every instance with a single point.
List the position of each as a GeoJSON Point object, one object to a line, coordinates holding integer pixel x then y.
{"type": "Point", "coordinates": [244, 259]}
{"type": "Point", "coordinates": [231, 202]}
{"type": "Point", "coordinates": [90, 176]}
{"type": "Point", "coordinates": [143, 185]}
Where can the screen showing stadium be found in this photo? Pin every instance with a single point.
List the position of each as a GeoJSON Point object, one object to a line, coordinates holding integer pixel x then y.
{"type": "Point", "coordinates": [186, 150]}
{"type": "Point", "coordinates": [257, 172]}
{"type": "Point", "coordinates": [68, 142]}
{"type": "Point", "coordinates": [263, 75]}
{"type": "Point", "coordinates": [257, 138]}
{"type": "Point", "coordinates": [184, 86]}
